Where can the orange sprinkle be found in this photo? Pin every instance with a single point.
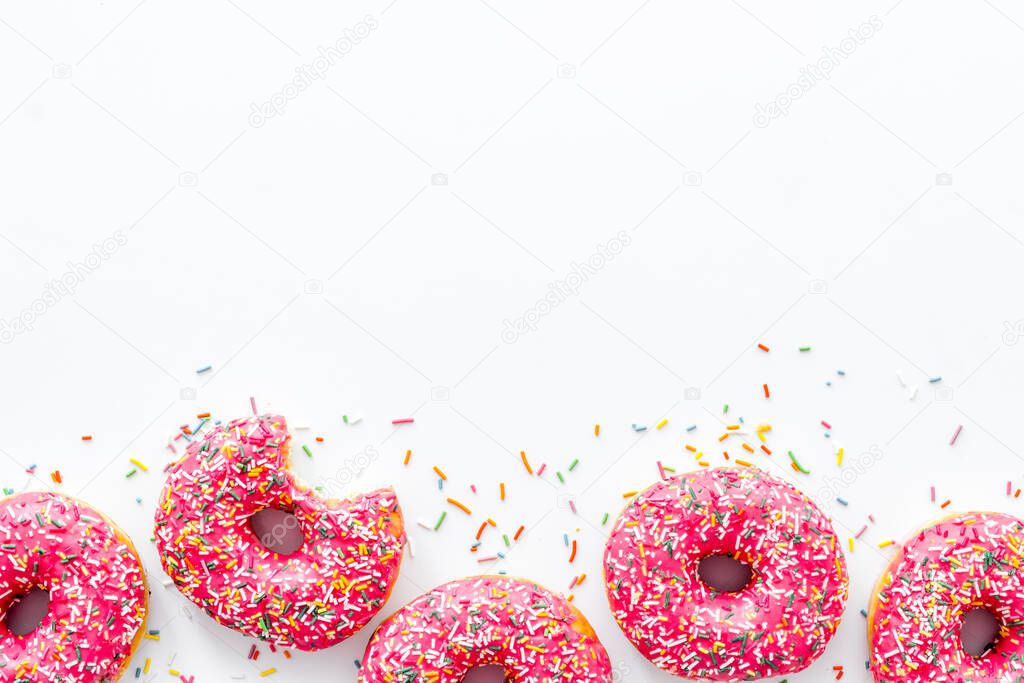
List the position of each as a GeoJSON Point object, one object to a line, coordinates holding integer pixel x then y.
{"type": "Point", "coordinates": [767, 394]}
{"type": "Point", "coordinates": [526, 463]}
{"type": "Point", "coordinates": [723, 437]}
{"type": "Point", "coordinates": [597, 430]}
{"type": "Point", "coordinates": [629, 494]}
{"type": "Point", "coordinates": [572, 555]}
{"type": "Point", "coordinates": [1017, 495]}
{"type": "Point", "coordinates": [502, 486]}
{"type": "Point", "coordinates": [480, 531]}
{"type": "Point", "coordinates": [765, 449]}
{"type": "Point", "coordinates": [519, 532]}
{"type": "Point", "coordinates": [744, 463]}
{"type": "Point", "coordinates": [583, 577]}
{"type": "Point", "coordinates": [747, 448]}
{"type": "Point", "coordinates": [763, 347]}
{"type": "Point", "coordinates": [460, 506]}
{"type": "Point", "coordinates": [945, 504]}
{"type": "Point", "coordinates": [87, 437]}
{"type": "Point", "coordinates": [200, 416]}
{"type": "Point", "coordinates": [492, 522]}
{"type": "Point", "coordinates": [733, 428]}
{"type": "Point", "coordinates": [726, 454]}
{"type": "Point", "coordinates": [691, 448]}
{"type": "Point", "coordinates": [439, 472]}
{"type": "Point", "coordinates": [55, 475]}
{"type": "Point", "coordinates": [408, 454]}
{"type": "Point", "coordinates": [319, 439]}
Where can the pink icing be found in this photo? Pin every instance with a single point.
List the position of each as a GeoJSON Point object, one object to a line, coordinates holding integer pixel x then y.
{"type": "Point", "coordinates": [336, 581]}
{"type": "Point", "coordinates": [96, 584]}
{"type": "Point", "coordinates": [777, 625]}
{"type": "Point", "coordinates": [534, 634]}
{"type": "Point", "coordinates": [966, 562]}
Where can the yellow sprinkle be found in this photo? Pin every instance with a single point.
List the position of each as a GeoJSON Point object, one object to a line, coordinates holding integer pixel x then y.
{"type": "Point", "coordinates": [440, 473]}
{"type": "Point", "coordinates": [174, 672]}
{"type": "Point", "coordinates": [268, 672]}
{"type": "Point", "coordinates": [839, 457]}
{"type": "Point", "coordinates": [138, 464]}
{"type": "Point", "coordinates": [885, 544]}
{"type": "Point", "coordinates": [851, 544]}
{"type": "Point", "coordinates": [664, 421]}
{"type": "Point", "coordinates": [744, 463]}
{"type": "Point", "coordinates": [150, 636]}
{"type": "Point", "coordinates": [145, 667]}
{"type": "Point", "coordinates": [629, 494]}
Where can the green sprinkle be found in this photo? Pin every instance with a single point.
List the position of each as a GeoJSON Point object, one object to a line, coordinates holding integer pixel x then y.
{"type": "Point", "coordinates": [805, 349]}
{"type": "Point", "coordinates": [604, 520]}
{"type": "Point", "coordinates": [441, 520]}
{"type": "Point", "coordinates": [797, 463]}
{"type": "Point", "coordinates": [306, 449]}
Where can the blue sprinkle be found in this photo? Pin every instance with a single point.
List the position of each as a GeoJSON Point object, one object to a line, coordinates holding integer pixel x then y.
{"type": "Point", "coordinates": [440, 484]}
{"type": "Point", "coordinates": [691, 428]}
{"type": "Point", "coordinates": [501, 555]}
{"type": "Point", "coordinates": [827, 435]}
{"type": "Point", "coordinates": [842, 501]}
{"type": "Point", "coordinates": [205, 368]}
{"type": "Point", "coordinates": [828, 383]}
{"type": "Point", "coordinates": [841, 373]}
{"type": "Point", "coordinates": [937, 378]}
{"type": "Point", "coordinates": [864, 613]}
{"type": "Point", "coordinates": [639, 428]}
{"type": "Point", "coordinates": [565, 537]}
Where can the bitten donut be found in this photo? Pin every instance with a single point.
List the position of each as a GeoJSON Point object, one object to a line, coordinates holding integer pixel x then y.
{"type": "Point", "coordinates": [330, 587]}
{"type": "Point", "coordinates": [96, 585]}
{"type": "Point", "coordinates": [777, 624]}
{"type": "Point", "coordinates": [962, 563]}
{"type": "Point", "coordinates": [535, 635]}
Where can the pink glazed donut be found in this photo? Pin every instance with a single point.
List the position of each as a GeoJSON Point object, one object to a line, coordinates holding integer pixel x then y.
{"type": "Point", "coordinates": [96, 585]}
{"type": "Point", "coordinates": [329, 588]}
{"type": "Point", "coordinates": [778, 624]}
{"type": "Point", "coordinates": [535, 635]}
{"type": "Point", "coordinates": [962, 563]}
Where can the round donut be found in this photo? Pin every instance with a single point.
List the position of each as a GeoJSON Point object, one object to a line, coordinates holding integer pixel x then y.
{"type": "Point", "coordinates": [533, 634]}
{"type": "Point", "coordinates": [961, 563]}
{"type": "Point", "coordinates": [96, 583]}
{"type": "Point", "coordinates": [777, 625]}
{"type": "Point", "coordinates": [325, 591]}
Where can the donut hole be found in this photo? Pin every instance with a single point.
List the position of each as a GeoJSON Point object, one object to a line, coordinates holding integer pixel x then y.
{"type": "Point", "coordinates": [979, 633]}
{"type": "Point", "coordinates": [490, 673]}
{"type": "Point", "coordinates": [278, 531]}
{"type": "Point", "coordinates": [27, 612]}
{"type": "Point", "coordinates": [724, 573]}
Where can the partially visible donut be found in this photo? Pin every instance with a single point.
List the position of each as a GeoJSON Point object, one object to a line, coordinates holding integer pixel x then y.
{"type": "Point", "coordinates": [533, 634]}
{"type": "Point", "coordinates": [959, 564]}
{"type": "Point", "coordinates": [329, 588]}
{"type": "Point", "coordinates": [778, 624]}
{"type": "Point", "coordinates": [96, 585]}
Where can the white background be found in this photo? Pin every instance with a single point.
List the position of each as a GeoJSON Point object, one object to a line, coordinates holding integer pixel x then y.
{"type": "Point", "coordinates": [318, 264]}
